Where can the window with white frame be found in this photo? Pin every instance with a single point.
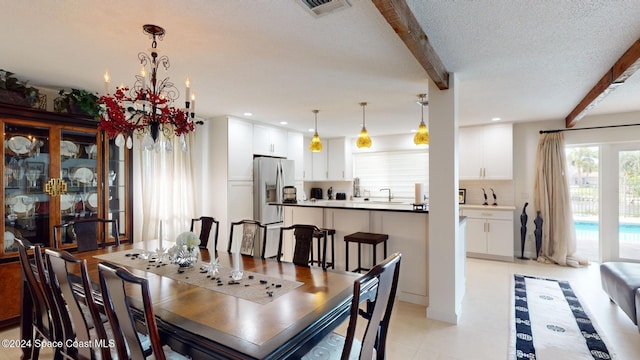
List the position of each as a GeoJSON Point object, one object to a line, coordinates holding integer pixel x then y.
{"type": "Point", "coordinates": [397, 170]}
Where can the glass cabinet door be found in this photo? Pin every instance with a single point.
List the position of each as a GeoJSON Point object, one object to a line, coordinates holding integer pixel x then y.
{"type": "Point", "coordinates": [26, 169]}
{"type": "Point", "coordinates": [81, 170]}
{"type": "Point", "coordinates": [117, 184]}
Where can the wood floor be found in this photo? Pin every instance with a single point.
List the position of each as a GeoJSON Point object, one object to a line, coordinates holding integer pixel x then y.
{"type": "Point", "coordinates": [483, 330]}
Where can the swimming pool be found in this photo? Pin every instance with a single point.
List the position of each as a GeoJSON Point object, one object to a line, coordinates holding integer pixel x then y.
{"type": "Point", "coordinates": [589, 230]}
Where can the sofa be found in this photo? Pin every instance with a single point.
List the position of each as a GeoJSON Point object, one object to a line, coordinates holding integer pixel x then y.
{"type": "Point", "coordinates": [621, 281]}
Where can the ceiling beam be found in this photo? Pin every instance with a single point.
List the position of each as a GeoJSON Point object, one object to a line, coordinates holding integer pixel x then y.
{"type": "Point", "coordinates": [402, 20]}
{"type": "Point", "coordinates": [626, 66]}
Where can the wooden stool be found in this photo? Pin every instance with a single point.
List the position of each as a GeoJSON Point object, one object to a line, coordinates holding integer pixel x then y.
{"type": "Point", "coordinates": [320, 235]}
{"type": "Point", "coordinates": [365, 238]}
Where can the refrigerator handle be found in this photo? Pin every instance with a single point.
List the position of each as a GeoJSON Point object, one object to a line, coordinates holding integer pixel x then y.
{"type": "Point", "coordinates": [279, 180]}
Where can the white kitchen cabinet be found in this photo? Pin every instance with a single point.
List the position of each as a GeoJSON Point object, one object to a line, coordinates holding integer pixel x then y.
{"type": "Point", "coordinates": [489, 233]}
{"type": "Point", "coordinates": [339, 160]}
{"type": "Point", "coordinates": [486, 152]}
{"type": "Point", "coordinates": [240, 162]}
{"type": "Point", "coordinates": [319, 164]}
{"type": "Point", "coordinates": [308, 160]}
{"type": "Point", "coordinates": [295, 149]}
{"type": "Point", "coordinates": [269, 141]}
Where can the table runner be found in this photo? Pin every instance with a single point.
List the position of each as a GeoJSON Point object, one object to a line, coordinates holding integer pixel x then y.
{"type": "Point", "coordinates": [254, 287]}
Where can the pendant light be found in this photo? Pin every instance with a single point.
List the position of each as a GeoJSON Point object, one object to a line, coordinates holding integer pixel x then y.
{"type": "Point", "coordinates": [422, 136]}
{"type": "Point", "coordinates": [364, 141]}
{"type": "Point", "coordinates": [316, 144]}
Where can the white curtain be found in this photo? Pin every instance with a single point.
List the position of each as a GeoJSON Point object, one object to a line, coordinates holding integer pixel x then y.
{"type": "Point", "coordinates": [167, 191]}
{"type": "Point", "coordinates": [553, 201]}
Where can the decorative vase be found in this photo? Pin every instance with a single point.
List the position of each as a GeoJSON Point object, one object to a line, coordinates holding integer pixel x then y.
{"type": "Point", "coordinates": [186, 257]}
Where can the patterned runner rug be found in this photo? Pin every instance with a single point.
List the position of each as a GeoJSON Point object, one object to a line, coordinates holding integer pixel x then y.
{"type": "Point", "coordinates": [549, 322]}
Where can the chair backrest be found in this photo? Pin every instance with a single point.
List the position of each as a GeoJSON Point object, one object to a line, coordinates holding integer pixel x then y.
{"type": "Point", "coordinates": [377, 287]}
{"type": "Point", "coordinates": [303, 237]}
{"type": "Point", "coordinates": [251, 230]}
{"type": "Point", "coordinates": [74, 299]}
{"type": "Point", "coordinates": [45, 315]}
{"type": "Point", "coordinates": [86, 232]}
{"type": "Point", "coordinates": [118, 308]}
{"type": "Point", "coordinates": [206, 223]}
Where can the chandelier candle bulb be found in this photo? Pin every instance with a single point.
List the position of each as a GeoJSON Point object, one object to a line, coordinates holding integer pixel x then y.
{"type": "Point", "coordinates": [193, 104]}
{"type": "Point", "coordinates": [187, 96]}
{"type": "Point", "coordinates": [106, 83]}
{"type": "Point", "coordinates": [143, 75]}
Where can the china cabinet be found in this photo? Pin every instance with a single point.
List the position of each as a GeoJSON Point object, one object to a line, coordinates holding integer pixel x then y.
{"type": "Point", "coordinates": [57, 168]}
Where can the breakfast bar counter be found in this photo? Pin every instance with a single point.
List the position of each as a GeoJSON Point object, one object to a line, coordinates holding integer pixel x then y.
{"type": "Point", "coordinates": [408, 231]}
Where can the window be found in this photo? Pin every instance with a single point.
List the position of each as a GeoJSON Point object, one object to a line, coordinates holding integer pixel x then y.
{"type": "Point", "coordinates": [397, 170]}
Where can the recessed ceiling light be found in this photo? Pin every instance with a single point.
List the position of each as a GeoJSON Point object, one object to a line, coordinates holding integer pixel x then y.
{"type": "Point", "coordinates": [283, 123]}
{"type": "Point", "coordinates": [414, 130]}
{"type": "Point", "coordinates": [312, 130]}
{"type": "Point", "coordinates": [248, 114]}
{"type": "Point", "coordinates": [496, 119]}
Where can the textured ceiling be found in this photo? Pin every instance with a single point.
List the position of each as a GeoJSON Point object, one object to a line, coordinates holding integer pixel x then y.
{"type": "Point", "coordinates": [518, 60]}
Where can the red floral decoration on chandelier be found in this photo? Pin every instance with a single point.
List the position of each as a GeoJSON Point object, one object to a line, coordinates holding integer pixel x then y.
{"type": "Point", "coordinates": [120, 117]}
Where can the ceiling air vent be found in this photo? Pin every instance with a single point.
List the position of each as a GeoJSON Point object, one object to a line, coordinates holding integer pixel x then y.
{"type": "Point", "coordinates": [322, 7]}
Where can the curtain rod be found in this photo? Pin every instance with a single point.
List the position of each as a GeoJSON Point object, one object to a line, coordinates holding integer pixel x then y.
{"type": "Point", "coordinates": [587, 128]}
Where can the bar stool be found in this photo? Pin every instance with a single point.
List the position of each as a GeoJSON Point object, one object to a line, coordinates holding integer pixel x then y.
{"type": "Point", "coordinates": [319, 235]}
{"type": "Point", "coordinates": [365, 238]}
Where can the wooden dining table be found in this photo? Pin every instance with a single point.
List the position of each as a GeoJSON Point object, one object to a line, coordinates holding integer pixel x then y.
{"type": "Point", "coordinates": [208, 324]}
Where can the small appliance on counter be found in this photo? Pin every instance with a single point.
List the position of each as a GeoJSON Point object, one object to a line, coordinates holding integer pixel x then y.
{"type": "Point", "coordinates": [330, 193]}
{"type": "Point", "coordinates": [316, 193]}
{"type": "Point", "coordinates": [356, 187]}
{"type": "Point", "coordinates": [341, 196]}
{"type": "Point", "coordinates": [289, 195]}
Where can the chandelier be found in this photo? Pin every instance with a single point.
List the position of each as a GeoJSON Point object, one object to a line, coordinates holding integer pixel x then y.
{"type": "Point", "coordinates": [146, 109]}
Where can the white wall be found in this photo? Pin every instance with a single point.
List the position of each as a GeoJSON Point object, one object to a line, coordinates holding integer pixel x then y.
{"type": "Point", "coordinates": [525, 144]}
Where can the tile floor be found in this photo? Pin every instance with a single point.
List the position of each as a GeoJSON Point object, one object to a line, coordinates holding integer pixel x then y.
{"type": "Point", "coordinates": [483, 330]}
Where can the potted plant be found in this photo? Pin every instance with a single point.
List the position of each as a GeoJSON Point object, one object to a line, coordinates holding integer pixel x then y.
{"type": "Point", "coordinates": [77, 101]}
{"type": "Point", "coordinates": [14, 91]}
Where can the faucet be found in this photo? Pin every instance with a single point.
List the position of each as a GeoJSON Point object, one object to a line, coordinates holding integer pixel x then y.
{"type": "Point", "coordinates": [389, 190]}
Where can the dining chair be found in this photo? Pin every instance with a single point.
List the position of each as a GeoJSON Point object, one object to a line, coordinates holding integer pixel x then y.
{"type": "Point", "coordinates": [45, 318]}
{"type": "Point", "coordinates": [117, 284]}
{"type": "Point", "coordinates": [206, 223]}
{"type": "Point", "coordinates": [251, 231]}
{"type": "Point", "coordinates": [85, 233]}
{"type": "Point", "coordinates": [378, 289]}
{"type": "Point", "coordinates": [79, 313]}
{"type": "Point", "coordinates": [303, 237]}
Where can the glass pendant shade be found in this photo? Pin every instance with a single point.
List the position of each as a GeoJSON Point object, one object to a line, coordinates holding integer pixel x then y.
{"type": "Point", "coordinates": [422, 136]}
{"type": "Point", "coordinates": [316, 144]}
{"type": "Point", "coordinates": [364, 141]}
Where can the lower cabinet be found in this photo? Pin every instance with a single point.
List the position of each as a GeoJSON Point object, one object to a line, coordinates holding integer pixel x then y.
{"type": "Point", "coordinates": [490, 234]}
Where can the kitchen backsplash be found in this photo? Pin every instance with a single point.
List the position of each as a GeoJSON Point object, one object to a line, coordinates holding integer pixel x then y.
{"type": "Point", "coordinates": [503, 189]}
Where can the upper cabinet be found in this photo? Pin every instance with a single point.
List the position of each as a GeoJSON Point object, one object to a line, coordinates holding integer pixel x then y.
{"type": "Point", "coordinates": [333, 163]}
{"type": "Point", "coordinates": [339, 164]}
{"type": "Point", "coordinates": [269, 141]}
{"type": "Point", "coordinates": [295, 149]}
{"type": "Point", "coordinates": [486, 152]}
{"type": "Point", "coordinates": [240, 162]}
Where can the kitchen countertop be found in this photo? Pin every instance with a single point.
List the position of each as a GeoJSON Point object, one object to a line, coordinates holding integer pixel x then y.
{"type": "Point", "coordinates": [358, 205]}
{"type": "Point", "coordinates": [488, 207]}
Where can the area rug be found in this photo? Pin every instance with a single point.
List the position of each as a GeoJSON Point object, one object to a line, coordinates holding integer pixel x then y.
{"type": "Point", "coordinates": [549, 322]}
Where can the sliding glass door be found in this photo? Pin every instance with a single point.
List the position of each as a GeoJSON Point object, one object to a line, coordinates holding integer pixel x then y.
{"type": "Point", "coordinates": [628, 229]}
{"type": "Point", "coordinates": [583, 165]}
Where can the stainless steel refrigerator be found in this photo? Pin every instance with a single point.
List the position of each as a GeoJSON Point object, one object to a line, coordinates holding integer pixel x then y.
{"type": "Point", "coordinates": [270, 175]}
